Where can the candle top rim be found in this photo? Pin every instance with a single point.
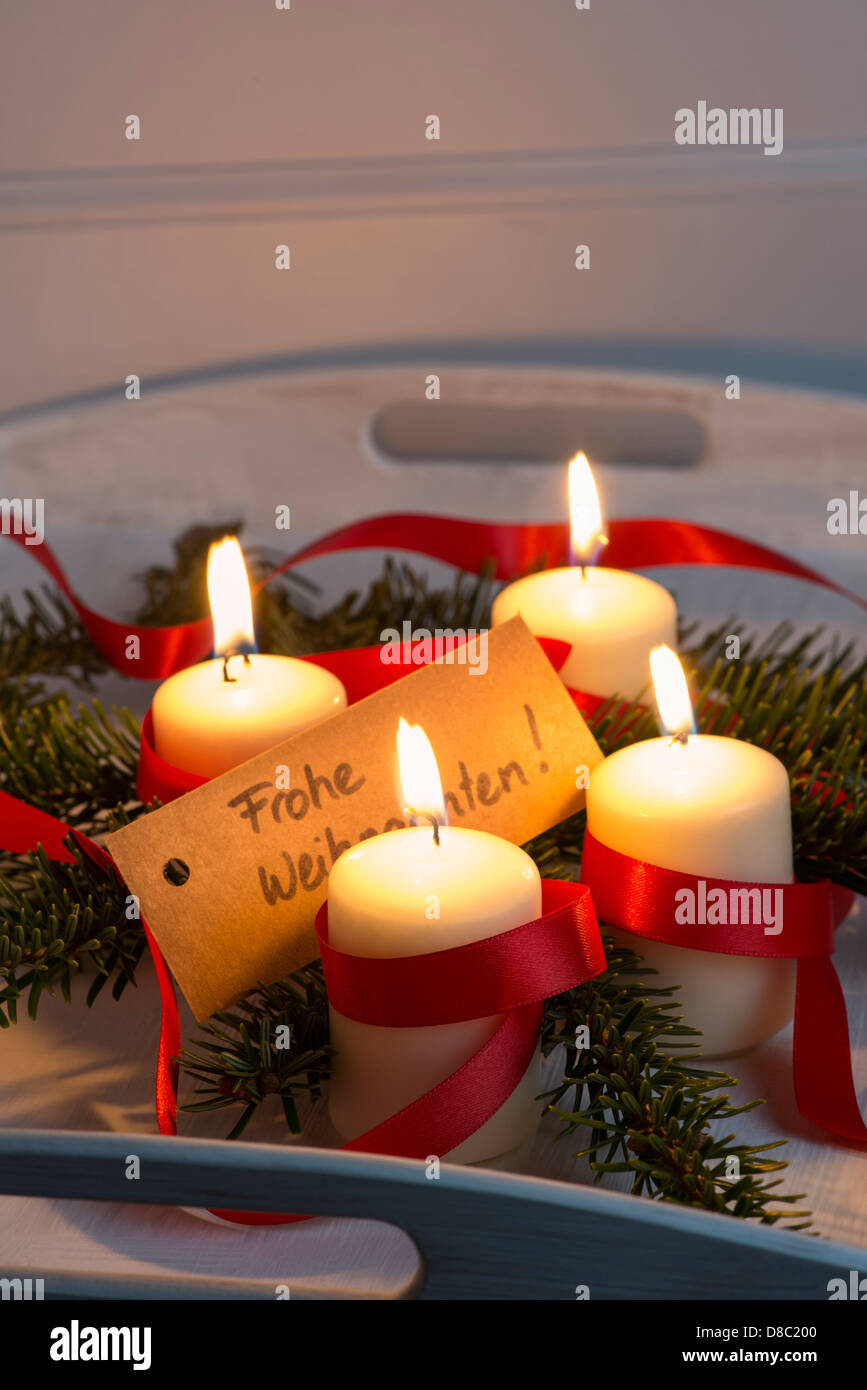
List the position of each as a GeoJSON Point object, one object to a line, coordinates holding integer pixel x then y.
{"type": "Point", "coordinates": [261, 660]}
{"type": "Point", "coordinates": [413, 848]}
{"type": "Point", "coordinates": [661, 772]}
{"type": "Point", "coordinates": [632, 577]}
{"type": "Point", "coordinates": [613, 604]}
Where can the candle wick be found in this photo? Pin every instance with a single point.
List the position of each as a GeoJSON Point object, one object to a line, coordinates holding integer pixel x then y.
{"type": "Point", "coordinates": [227, 656]}
{"type": "Point", "coordinates": [427, 815]}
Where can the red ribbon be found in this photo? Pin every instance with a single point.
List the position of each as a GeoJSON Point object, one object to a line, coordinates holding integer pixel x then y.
{"type": "Point", "coordinates": [634, 543]}
{"type": "Point", "coordinates": [640, 898]}
{"type": "Point", "coordinates": [471, 981]}
{"type": "Point", "coordinates": [158, 779]}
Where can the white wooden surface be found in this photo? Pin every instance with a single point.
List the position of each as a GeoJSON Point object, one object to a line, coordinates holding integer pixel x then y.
{"type": "Point", "coordinates": [118, 485]}
{"type": "Point", "coordinates": [306, 127]}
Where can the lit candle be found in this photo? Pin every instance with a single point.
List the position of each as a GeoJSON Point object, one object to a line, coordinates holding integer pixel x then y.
{"type": "Point", "coordinates": [426, 888]}
{"type": "Point", "coordinates": [713, 808]}
{"type": "Point", "coordinates": [612, 618]}
{"type": "Point", "coordinates": [217, 714]}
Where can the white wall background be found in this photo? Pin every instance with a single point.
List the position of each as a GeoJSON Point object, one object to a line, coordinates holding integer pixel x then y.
{"type": "Point", "coordinates": [306, 126]}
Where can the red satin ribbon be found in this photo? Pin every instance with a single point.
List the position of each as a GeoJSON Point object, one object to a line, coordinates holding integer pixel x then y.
{"type": "Point", "coordinates": [634, 543]}
{"type": "Point", "coordinates": [640, 898]}
{"type": "Point", "coordinates": [158, 779]}
{"type": "Point", "coordinates": [23, 827]}
{"type": "Point", "coordinates": [471, 981]}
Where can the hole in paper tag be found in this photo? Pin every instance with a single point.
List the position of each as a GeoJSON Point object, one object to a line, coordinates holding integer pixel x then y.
{"type": "Point", "coordinates": [176, 872]}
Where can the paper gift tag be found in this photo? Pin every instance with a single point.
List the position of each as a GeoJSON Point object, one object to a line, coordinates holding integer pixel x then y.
{"type": "Point", "coordinates": [258, 842]}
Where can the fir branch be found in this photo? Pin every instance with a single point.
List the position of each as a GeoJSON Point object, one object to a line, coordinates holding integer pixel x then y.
{"type": "Point", "coordinates": [399, 595]}
{"type": "Point", "coordinates": [54, 919]}
{"type": "Point", "coordinates": [45, 642]}
{"type": "Point", "coordinates": [179, 593]}
{"type": "Point", "coordinates": [288, 623]}
{"type": "Point", "coordinates": [74, 766]}
{"type": "Point", "coordinates": [274, 1042]}
{"type": "Point", "coordinates": [649, 1113]}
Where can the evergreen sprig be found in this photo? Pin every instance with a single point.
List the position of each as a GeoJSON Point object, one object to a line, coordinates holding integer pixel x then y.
{"type": "Point", "coordinates": [74, 765]}
{"type": "Point", "coordinates": [47, 642]}
{"type": "Point", "coordinates": [647, 1108]}
{"type": "Point", "coordinates": [273, 1042]}
{"type": "Point", "coordinates": [55, 918]}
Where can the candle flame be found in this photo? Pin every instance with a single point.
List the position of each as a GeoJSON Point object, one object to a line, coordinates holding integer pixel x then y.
{"type": "Point", "coordinates": [672, 695]}
{"type": "Point", "coordinates": [419, 774]}
{"type": "Point", "coordinates": [584, 511]}
{"type": "Point", "coordinates": [229, 595]}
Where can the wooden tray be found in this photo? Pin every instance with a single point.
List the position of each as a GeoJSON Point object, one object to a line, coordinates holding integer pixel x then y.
{"type": "Point", "coordinates": [529, 1225]}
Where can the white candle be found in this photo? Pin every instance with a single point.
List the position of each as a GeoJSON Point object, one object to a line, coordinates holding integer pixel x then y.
{"type": "Point", "coordinates": [402, 894]}
{"type": "Point", "coordinates": [207, 725]}
{"type": "Point", "coordinates": [612, 618]}
{"type": "Point", "coordinates": [215, 715]}
{"type": "Point", "coordinates": [715, 808]}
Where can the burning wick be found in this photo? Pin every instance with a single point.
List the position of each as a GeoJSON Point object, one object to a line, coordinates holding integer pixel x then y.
{"type": "Point", "coordinates": [227, 656]}
{"type": "Point", "coordinates": [429, 816]}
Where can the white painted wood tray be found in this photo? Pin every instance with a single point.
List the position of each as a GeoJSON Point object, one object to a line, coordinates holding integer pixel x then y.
{"type": "Point", "coordinates": [119, 481]}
